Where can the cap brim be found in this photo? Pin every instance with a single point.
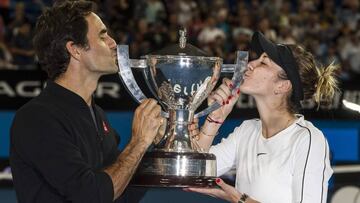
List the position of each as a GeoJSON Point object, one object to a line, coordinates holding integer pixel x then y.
{"type": "Point", "coordinates": [259, 44]}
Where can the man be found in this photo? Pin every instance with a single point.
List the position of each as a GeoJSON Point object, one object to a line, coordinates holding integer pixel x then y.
{"type": "Point", "coordinates": [62, 146]}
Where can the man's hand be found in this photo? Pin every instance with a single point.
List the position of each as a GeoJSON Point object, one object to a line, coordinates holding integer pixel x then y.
{"type": "Point", "coordinates": [147, 121]}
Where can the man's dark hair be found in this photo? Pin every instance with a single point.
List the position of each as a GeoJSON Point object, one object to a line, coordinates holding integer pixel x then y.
{"type": "Point", "coordinates": [64, 22]}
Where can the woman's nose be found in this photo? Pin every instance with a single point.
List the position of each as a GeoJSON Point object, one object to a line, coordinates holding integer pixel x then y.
{"type": "Point", "coordinates": [250, 66]}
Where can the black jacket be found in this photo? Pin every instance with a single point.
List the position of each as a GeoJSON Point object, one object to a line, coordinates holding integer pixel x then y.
{"type": "Point", "coordinates": [57, 152]}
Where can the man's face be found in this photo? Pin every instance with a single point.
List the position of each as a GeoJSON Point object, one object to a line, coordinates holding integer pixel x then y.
{"type": "Point", "coordinates": [101, 55]}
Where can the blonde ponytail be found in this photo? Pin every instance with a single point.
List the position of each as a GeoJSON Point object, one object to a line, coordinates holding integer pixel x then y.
{"type": "Point", "coordinates": [327, 84]}
{"type": "Point", "coordinates": [319, 84]}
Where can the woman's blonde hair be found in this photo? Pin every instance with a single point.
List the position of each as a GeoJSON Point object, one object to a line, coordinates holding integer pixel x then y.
{"type": "Point", "coordinates": [319, 83]}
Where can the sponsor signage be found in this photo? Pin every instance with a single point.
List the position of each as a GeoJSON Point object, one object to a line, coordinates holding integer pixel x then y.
{"type": "Point", "coordinates": [18, 87]}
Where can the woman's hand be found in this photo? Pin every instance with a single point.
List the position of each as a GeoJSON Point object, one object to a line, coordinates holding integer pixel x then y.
{"type": "Point", "coordinates": [223, 96]}
{"type": "Point", "coordinates": [194, 128]}
{"type": "Point", "coordinates": [225, 192]}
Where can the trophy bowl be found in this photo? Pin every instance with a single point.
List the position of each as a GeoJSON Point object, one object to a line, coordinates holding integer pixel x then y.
{"type": "Point", "coordinates": [180, 77]}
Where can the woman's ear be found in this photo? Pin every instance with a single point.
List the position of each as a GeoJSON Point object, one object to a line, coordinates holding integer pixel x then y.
{"type": "Point", "coordinates": [283, 87]}
{"type": "Point", "coordinates": [73, 50]}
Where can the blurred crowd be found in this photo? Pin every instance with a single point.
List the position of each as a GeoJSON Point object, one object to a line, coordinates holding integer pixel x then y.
{"type": "Point", "coordinates": [330, 29]}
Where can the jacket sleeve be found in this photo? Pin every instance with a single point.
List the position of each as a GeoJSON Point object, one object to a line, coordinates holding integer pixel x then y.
{"type": "Point", "coordinates": [44, 142]}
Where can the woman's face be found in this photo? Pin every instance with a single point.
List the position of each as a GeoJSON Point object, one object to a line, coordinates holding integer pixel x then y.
{"type": "Point", "coordinates": [261, 77]}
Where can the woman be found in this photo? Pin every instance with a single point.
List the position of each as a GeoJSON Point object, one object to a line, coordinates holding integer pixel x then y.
{"type": "Point", "coordinates": [280, 157]}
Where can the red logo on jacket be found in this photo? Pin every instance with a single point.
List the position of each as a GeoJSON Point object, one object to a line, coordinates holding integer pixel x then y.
{"type": "Point", "coordinates": [106, 128]}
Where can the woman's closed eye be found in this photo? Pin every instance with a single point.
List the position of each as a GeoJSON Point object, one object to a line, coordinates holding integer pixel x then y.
{"type": "Point", "coordinates": [265, 60]}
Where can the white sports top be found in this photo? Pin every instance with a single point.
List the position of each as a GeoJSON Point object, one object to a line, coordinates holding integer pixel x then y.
{"type": "Point", "coordinates": [292, 166]}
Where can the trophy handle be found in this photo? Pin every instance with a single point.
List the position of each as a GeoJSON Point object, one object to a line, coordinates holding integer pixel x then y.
{"type": "Point", "coordinates": [127, 76]}
{"type": "Point", "coordinates": [238, 70]}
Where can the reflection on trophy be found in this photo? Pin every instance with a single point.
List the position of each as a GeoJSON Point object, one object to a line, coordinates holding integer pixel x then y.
{"type": "Point", "coordinates": [180, 77]}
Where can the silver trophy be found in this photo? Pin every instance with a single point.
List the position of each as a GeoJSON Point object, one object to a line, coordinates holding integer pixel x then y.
{"type": "Point", "coordinates": [180, 77]}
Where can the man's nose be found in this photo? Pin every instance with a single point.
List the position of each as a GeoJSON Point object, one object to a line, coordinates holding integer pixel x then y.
{"type": "Point", "coordinates": [112, 43]}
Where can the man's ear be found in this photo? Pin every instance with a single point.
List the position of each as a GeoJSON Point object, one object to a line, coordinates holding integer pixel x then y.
{"type": "Point", "coordinates": [73, 50]}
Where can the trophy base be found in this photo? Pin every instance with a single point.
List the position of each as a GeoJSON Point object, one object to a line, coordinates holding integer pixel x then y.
{"type": "Point", "coordinates": [172, 181]}
{"type": "Point", "coordinates": [176, 169]}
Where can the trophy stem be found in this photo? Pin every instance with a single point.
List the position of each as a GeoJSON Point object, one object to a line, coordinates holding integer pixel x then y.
{"type": "Point", "coordinates": [177, 136]}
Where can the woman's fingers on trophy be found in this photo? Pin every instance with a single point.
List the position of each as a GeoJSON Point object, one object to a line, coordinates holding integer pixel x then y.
{"type": "Point", "coordinates": [211, 99]}
{"type": "Point", "coordinates": [230, 192]}
{"type": "Point", "coordinates": [218, 98]}
{"type": "Point", "coordinates": [228, 82]}
{"type": "Point", "coordinates": [194, 125]}
{"type": "Point", "coordinates": [227, 92]}
{"type": "Point", "coordinates": [214, 192]}
{"type": "Point", "coordinates": [222, 94]}
{"type": "Point", "coordinates": [226, 187]}
{"type": "Point", "coordinates": [233, 95]}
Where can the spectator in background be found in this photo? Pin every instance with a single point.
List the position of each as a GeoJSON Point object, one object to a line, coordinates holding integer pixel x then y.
{"type": "Point", "coordinates": [315, 23]}
{"type": "Point", "coordinates": [350, 54]}
{"type": "Point", "coordinates": [285, 36]}
{"type": "Point", "coordinates": [195, 26]}
{"type": "Point", "coordinates": [222, 22]}
{"type": "Point", "coordinates": [241, 38]}
{"type": "Point", "coordinates": [157, 36]}
{"type": "Point", "coordinates": [21, 46]}
{"type": "Point", "coordinates": [16, 19]}
{"type": "Point", "coordinates": [173, 28]}
{"type": "Point", "coordinates": [4, 10]}
{"type": "Point", "coordinates": [154, 11]}
{"type": "Point", "coordinates": [349, 12]}
{"type": "Point", "coordinates": [210, 32]}
{"type": "Point", "coordinates": [185, 11]}
{"type": "Point", "coordinates": [265, 27]}
{"type": "Point", "coordinates": [5, 55]}
{"type": "Point", "coordinates": [119, 13]}
{"type": "Point", "coordinates": [6, 58]}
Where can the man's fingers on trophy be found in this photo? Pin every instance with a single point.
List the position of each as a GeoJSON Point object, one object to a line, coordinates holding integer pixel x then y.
{"type": "Point", "coordinates": [155, 111]}
{"type": "Point", "coordinates": [143, 104]}
{"type": "Point", "coordinates": [161, 131]}
{"type": "Point", "coordinates": [151, 104]}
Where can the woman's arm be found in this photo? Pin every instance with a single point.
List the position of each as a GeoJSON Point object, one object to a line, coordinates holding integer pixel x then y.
{"type": "Point", "coordinates": [223, 96]}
